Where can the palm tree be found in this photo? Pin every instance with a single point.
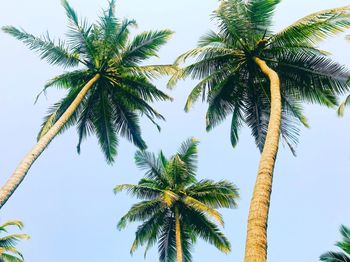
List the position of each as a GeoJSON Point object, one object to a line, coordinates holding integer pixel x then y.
{"type": "Point", "coordinates": [261, 78]}
{"type": "Point", "coordinates": [344, 245]}
{"type": "Point", "coordinates": [106, 94]}
{"type": "Point", "coordinates": [176, 208]}
{"type": "Point", "coordinates": [8, 251]}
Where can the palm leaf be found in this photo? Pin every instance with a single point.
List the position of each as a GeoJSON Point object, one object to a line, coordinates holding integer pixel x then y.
{"type": "Point", "coordinates": [54, 53]}
{"type": "Point", "coordinates": [144, 46]}
{"type": "Point", "coordinates": [334, 257]}
{"type": "Point", "coordinates": [315, 27]}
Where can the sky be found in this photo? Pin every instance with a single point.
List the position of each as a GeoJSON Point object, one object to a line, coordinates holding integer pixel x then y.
{"type": "Point", "coordinates": [67, 201]}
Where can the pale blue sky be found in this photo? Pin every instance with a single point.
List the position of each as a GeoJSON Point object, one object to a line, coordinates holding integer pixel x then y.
{"type": "Point", "coordinates": [67, 202]}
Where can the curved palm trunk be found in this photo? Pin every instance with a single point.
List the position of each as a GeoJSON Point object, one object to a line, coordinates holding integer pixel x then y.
{"type": "Point", "coordinates": [178, 236]}
{"type": "Point", "coordinates": [256, 242]}
{"type": "Point", "coordinates": [20, 172]}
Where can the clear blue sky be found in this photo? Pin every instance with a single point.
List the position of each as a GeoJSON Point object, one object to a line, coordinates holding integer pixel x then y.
{"type": "Point", "coordinates": [67, 202]}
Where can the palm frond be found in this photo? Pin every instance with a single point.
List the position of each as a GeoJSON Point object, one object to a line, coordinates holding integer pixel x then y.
{"type": "Point", "coordinates": [140, 191]}
{"type": "Point", "coordinates": [126, 123]}
{"type": "Point", "coordinates": [104, 127]}
{"type": "Point", "coordinates": [78, 34]}
{"type": "Point", "coordinates": [153, 71]}
{"type": "Point", "coordinates": [148, 230]}
{"type": "Point", "coordinates": [207, 230]}
{"type": "Point", "coordinates": [201, 207]}
{"type": "Point", "coordinates": [16, 223]}
{"type": "Point", "coordinates": [167, 242]}
{"type": "Point", "coordinates": [10, 258]}
{"type": "Point", "coordinates": [315, 27]}
{"type": "Point", "coordinates": [56, 53]}
{"type": "Point", "coordinates": [140, 211]}
{"type": "Point", "coordinates": [334, 257]}
{"type": "Point", "coordinates": [144, 46]}
{"type": "Point", "coordinates": [260, 13]}
{"type": "Point", "coordinates": [222, 194]}
{"type": "Point", "coordinates": [147, 161]}
{"type": "Point", "coordinates": [341, 108]}
{"type": "Point", "coordinates": [189, 154]}
{"type": "Point", "coordinates": [234, 23]}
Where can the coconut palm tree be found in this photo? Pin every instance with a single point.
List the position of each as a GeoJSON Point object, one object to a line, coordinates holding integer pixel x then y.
{"type": "Point", "coordinates": [344, 245]}
{"type": "Point", "coordinates": [106, 94]}
{"type": "Point", "coordinates": [176, 208]}
{"type": "Point", "coordinates": [261, 79]}
{"type": "Point", "coordinates": [8, 251]}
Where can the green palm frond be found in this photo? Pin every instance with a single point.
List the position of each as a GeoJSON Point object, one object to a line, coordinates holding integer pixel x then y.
{"type": "Point", "coordinates": [105, 128]}
{"type": "Point", "coordinates": [207, 230]}
{"type": "Point", "coordinates": [147, 161]}
{"type": "Point", "coordinates": [144, 46]}
{"type": "Point", "coordinates": [56, 53]}
{"type": "Point", "coordinates": [189, 153]}
{"type": "Point", "coordinates": [142, 190]}
{"type": "Point", "coordinates": [222, 194]}
{"type": "Point", "coordinates": [166, 242]}
{"type": "Point", "coordinates": [147, 230]}
{"type": "Point", "coordinates": [203, 208]}
{"type": "Point", "coordinates": [314, 28]}
{"type": "Point", "coordinates": [234, 23]}
{"type": "Point", "coordinates": [141, 211]}
{"type": "Point", "coordinates": [236, 123]}
{"type": "Point", "coordinates": [260, 14]}
{"type": "Point", "coordinates": [78, 34]}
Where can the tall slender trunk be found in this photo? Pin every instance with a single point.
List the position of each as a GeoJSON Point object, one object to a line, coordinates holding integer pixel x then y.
{"type": "Point", "coordinates": [20, 172]}
{"type": "Point", "coordinates": [179, 254]}
{"type": "Point", "coordinates": [256, 242]}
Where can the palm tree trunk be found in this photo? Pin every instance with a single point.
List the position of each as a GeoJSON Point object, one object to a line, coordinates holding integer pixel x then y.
{"type": "Point", "coordinates": [178, 236]}
{"type": "Point", "coordinates": [256, 242]}
{"type": "Point", "coordinates": [20, 172]}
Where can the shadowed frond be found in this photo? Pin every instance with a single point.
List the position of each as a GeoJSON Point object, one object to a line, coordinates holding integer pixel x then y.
{"type": "Point", "coordinates": [334, 257]}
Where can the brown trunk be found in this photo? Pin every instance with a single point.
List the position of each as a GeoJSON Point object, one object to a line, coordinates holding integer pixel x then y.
{"type": "Point", "coordinates": [256, 243]}
{"type": "Point", "coordinates": [178, 236]}
{"type": "Point", "coordinates": [20, 172]}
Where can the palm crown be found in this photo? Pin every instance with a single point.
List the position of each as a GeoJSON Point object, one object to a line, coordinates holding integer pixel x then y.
{"type": "Point", "coordinates": [233, 84]}
{"type": "Point", "coordinates": [122, 90]}
{"type": "Point", "coordinates": [8, 251]}
{"type": "Point", "coordinates": [344, 245]}
{"type": "Point", "coordinates": [170, 186]}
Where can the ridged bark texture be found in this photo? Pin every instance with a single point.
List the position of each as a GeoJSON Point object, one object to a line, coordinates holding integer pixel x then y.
{"type": "Point", "coordinates": [178, 236]}
{"type": "Point", "coordinates": [256, 242]}
{"type": "Point", "coordinates": [20, 172]}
